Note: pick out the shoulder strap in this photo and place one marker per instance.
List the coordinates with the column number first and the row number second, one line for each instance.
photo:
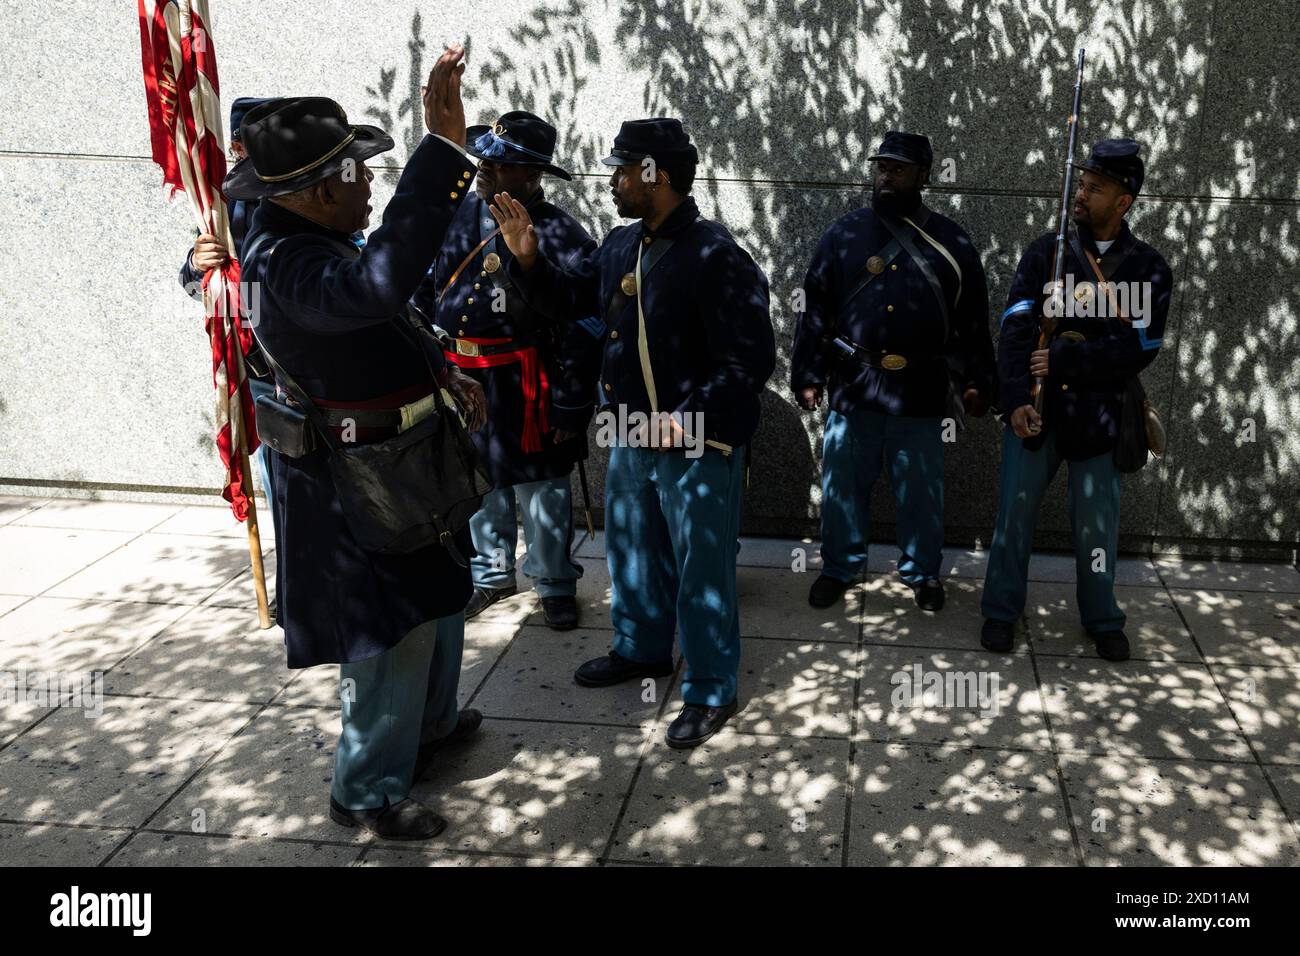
column 1113, row 260
column 473, row 253
column 901, row 234
column 865, row 275
column 646, row 261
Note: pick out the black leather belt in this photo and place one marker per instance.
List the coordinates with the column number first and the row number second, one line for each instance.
column 889, row 361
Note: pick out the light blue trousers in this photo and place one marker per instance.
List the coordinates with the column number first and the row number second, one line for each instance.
column 855, row 448
column 671, row 526
column 391, row 704
column 547, row 511
column 1094, row 491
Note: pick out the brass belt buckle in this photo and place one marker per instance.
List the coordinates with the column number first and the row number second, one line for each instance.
column 468, row 348
column 893, row 362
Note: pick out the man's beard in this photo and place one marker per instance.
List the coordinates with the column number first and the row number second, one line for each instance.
column 902, row 202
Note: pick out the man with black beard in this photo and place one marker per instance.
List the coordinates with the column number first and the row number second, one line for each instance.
column 895, row 326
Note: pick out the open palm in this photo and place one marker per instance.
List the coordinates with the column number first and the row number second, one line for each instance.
column 516, row 228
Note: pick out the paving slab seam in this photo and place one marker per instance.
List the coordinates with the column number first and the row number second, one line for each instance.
column 1263, row 769
column 194, row 775
column 646, row 744
column 851, row 770
column 434, row 852
column 1056, row 756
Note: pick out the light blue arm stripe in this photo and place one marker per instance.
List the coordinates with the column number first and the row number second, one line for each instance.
column 1148, row 344
column 1024, row 305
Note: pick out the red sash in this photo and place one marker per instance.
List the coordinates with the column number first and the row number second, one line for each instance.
column 536, row 387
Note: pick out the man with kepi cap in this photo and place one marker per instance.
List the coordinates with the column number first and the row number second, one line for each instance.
column 688, row 349
column 539, row 372
column 1105, row 337
column 896, row 327
column 333, row 321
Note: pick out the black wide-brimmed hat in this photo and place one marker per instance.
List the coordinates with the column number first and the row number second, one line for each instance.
column 295, row 141
column 905, row 148
column 660, row 137
column 518, row 137
column 1117, row 159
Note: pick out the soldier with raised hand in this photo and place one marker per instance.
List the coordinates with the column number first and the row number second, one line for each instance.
column 688, row 348
column 539, row 371
column 333, row 320
column 896, row 326
column 1101, row 343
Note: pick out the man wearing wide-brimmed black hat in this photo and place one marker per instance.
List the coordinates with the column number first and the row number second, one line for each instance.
column 895, row 331
column 1108, row 331
column 688, row 347
column 332, row 318
column 538, row 370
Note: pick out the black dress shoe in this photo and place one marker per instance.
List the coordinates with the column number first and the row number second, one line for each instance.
column 697, row 723
column 483, row 598
column 406, row 820
column 997, row 636
column 929, row 595
column 613, row 669
column 467, row 725
column 1112, row 645
column 826, row 591
column 561, row 612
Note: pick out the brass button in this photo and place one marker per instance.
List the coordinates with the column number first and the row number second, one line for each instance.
column 614, row 334
column 889, row 308
column 455, row 195
column 471, row 300
column 1065, row 388
column 467, row 174
column 893, row 267
column 483, row 273
column 607, row 388
column 461, row 183
column 476, row 286
column 464, row 318
column 461, row 332
column 647, row 240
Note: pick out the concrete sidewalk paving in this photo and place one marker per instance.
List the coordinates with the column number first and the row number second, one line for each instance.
column 205, row 749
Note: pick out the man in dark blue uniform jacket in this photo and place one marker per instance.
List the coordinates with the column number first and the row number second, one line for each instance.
column 896, row 323
column 333, row 318
column 1105, row 337
column 539, row 374
column 688, row 348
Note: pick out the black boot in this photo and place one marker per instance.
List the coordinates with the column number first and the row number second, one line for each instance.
column 697, row 723
column 1112, row 645
column 998, row 636
column 827, row 590
column 561, row 612
column 483, row 598
column 929, row 595
column 613, row 669
column 406, row 820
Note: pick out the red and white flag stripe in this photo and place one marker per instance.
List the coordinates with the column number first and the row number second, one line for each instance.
column 185, row 122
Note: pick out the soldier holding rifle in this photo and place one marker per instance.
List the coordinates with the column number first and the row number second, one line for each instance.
column 1105, row 304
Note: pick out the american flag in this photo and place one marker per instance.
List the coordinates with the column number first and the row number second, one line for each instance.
column 185, row 121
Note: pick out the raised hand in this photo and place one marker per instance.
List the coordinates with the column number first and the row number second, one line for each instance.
column 444, row 113
column 516, row 229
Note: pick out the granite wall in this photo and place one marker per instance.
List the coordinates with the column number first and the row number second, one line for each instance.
column 104, row 379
